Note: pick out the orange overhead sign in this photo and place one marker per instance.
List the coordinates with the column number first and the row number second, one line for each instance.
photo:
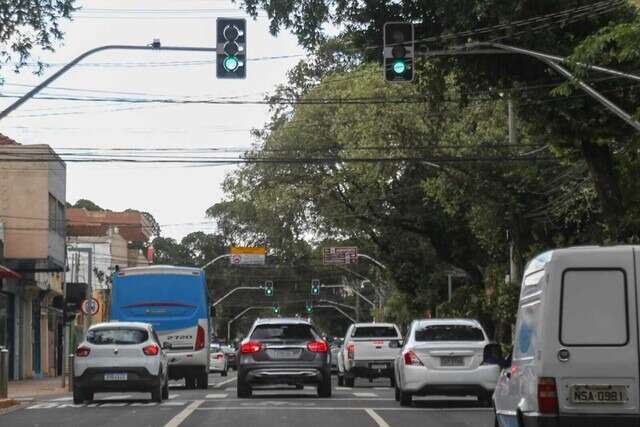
column 248, row 255
column 247, row 250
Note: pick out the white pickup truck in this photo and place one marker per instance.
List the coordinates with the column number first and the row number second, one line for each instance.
column 369, row 351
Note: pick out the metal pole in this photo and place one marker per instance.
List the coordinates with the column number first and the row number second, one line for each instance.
column 71, row 371
column 240, row 315
column 373, row 260
column 337, row 309
column 38, row 88
column 240, row 288
column 449, row 285
column 4, row 373
column 214, row 260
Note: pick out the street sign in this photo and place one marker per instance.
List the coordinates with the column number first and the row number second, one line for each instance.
column 248, row 255
column 340, row 255
column 90, row 306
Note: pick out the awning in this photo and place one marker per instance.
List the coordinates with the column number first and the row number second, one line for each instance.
column 6, row 273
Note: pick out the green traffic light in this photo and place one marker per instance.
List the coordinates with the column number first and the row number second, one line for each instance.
column 399, row 67
column 230, row 63
column 309, row 309
column 276, row 309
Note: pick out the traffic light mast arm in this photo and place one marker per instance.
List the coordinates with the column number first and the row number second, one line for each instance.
column 337, row 309
column 152, row 46
column 239, row 315
column 354, row 291
column 240, row 288
column 214, row 260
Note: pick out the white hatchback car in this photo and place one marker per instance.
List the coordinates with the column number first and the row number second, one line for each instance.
column 120, row 356
column 218, row 360
column 446, row 357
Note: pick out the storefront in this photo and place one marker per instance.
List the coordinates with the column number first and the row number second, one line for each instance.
column 8, row 317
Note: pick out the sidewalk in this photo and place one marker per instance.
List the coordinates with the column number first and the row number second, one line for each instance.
column 36, row 387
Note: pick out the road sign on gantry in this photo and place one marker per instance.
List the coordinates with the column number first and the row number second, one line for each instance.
column 248, row 255
column 340, row 255
column 231, row 48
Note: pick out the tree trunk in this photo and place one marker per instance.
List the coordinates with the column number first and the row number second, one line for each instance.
column 605, row 180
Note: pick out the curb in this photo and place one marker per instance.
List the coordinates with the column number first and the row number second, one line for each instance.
column 7, row 403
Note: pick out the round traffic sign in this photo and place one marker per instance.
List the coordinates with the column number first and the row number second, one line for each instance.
column 90, row 306
column 235, row 259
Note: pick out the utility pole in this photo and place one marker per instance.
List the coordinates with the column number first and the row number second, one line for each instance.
column 513, row 139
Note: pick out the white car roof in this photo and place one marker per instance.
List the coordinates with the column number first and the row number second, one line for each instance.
column 140, row 325
column 359, row 325
column 467, row 322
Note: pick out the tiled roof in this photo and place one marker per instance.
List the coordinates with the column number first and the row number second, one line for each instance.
column 132, row 225
column 5, row 140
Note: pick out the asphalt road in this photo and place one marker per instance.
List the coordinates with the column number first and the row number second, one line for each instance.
column 366, row 405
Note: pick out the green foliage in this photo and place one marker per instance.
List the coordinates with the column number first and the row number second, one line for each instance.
column 86, row 204
column 29, row 25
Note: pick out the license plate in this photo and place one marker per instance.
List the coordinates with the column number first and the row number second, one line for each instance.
column 116, row 377
column 379, row 366
column 452, row 361
column 283, row 354
column 599, row 394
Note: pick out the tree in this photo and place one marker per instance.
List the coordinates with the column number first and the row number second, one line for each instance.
column 28, row 25
column 86, row 204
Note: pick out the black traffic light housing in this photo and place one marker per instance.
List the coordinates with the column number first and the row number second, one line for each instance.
column 315, row 287
column 308, row 307
column 276, row 309
column 231, row 48
column 268, row 288
column 399, row 52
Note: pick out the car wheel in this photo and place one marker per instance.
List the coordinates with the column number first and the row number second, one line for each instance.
column 78, row 396
column 324, row 388
column 244, row 389
column 203, row 381
column 165, row 389
column 406, row 399
column 190, row 383
column 340, row 380
column 349, row 381
column 393, row 380
column 397, row 394
column 156, row 393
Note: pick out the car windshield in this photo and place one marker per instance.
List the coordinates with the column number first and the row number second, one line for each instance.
column 449, row 333
column 121, row 336
column 283, row 332
column 375, row 332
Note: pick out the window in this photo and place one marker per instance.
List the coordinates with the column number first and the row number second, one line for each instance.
column 52, row 213
column 449, row 333
column 526, row 339
column 121, row 336
column 56, row 216
column 283, row 332
column 594, row 308
column 375, row 332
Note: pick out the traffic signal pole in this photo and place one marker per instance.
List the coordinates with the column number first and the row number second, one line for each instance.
column 155, row 45
column 240, row 288
column 239, row 315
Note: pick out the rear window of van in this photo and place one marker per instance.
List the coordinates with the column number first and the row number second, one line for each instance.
column 449, row 333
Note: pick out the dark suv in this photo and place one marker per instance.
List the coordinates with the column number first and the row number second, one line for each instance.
column 284, row 351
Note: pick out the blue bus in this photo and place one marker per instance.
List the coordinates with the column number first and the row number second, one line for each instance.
column 174, row 301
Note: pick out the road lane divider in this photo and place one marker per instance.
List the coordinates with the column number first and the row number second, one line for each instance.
column 377, row 418
column 184, row 414
column 221, row 383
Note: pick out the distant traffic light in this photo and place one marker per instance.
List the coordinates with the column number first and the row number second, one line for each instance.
column 268, row 288
column 231, row 48
column 308, row 307
column 315, row 287
column 276, row 309
column 398, row 52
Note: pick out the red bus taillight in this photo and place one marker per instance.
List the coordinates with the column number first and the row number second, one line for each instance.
column 200, row 338
column 317, row 347
column 250, row 347
column 547, row 396
column 83, row 351
column 151, row 350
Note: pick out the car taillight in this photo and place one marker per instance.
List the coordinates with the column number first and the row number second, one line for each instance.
column 547, row 396
column 351, row 350
column 219, row 356
column 83, row 351
column 411, row 359
column 151, row 350
column 250, row 347
column 318, row 347
column 200, row 338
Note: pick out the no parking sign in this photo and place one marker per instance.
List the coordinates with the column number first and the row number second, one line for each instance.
column 90, row 306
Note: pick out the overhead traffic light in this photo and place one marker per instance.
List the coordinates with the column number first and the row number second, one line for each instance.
column 268, row 288
column 315, row 287
column 399, row 40
column 231, row 48
column 308, row 307
column 276, row 309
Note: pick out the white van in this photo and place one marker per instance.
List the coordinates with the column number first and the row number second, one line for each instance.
column 575, row 358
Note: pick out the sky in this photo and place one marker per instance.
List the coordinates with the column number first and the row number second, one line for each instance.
column 177, row 196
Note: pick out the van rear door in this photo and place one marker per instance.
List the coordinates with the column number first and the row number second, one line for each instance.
column 593, row 354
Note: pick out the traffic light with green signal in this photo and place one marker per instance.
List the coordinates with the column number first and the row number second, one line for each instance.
column 268, row 288
column 308, row 308
column 276, row 309
column 315, row 287
column 231, row 48
column 398, row 52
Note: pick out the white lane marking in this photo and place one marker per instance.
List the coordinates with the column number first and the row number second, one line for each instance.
column 69, row 405
column 377, row 418
column 340, row 408
column 220, row 384
column 113, row 405
column 120, row 397
column 62, row 399
column 216, row 396
column 141, row 404
column 231, row 389
column 342, row 388
column 365, row 394
column 182, row 415
column 173, row 396
column 382, row 388
column 43, row 406
column 174, row 403
column 24, row 399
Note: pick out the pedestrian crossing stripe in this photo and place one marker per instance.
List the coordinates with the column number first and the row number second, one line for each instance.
column 365, row 395
column 217, row 396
